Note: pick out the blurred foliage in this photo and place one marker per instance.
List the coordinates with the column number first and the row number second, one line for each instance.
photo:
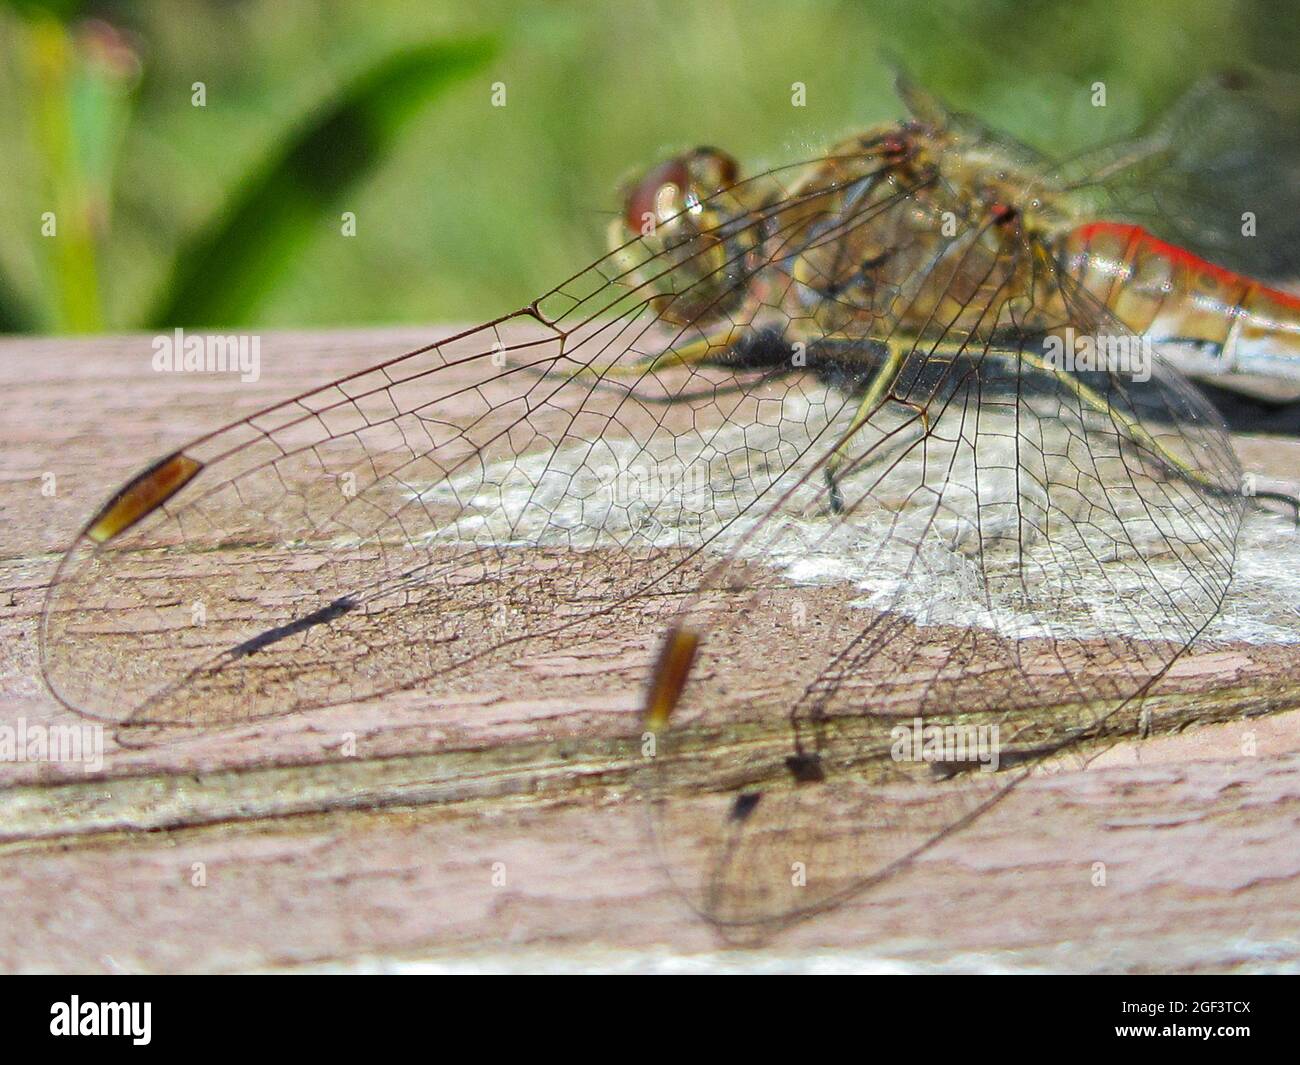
column 169, row 211
column 274, row 211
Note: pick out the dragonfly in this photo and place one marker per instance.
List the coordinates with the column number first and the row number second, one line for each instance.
column 893, row 453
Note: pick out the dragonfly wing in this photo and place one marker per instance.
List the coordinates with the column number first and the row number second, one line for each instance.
column 1217, row 174
column 1018, row 555
column 487, row 496
column 995, row 537
column 392, row 527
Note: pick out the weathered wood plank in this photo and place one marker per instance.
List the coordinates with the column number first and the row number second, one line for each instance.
column 311, row 853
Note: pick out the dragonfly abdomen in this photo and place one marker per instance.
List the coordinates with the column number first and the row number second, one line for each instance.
column 1212, row 323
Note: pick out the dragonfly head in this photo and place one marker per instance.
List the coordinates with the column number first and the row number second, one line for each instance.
column 681, row 186
column 683, row 234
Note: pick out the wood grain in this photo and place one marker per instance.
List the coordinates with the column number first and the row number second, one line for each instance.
column 370, row 835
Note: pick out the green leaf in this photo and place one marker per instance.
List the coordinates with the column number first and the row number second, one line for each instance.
column 64, row 10
column 222, row 275
column 16, row 315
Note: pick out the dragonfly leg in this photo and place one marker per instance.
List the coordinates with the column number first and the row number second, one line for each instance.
column 708, row 348
column 876, row 394
column 1286, row 498
column 701, row 394
column 1132, row 426
column 884, row 379
column 696, row 353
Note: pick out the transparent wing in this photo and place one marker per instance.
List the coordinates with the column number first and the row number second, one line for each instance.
column 1017, row 553
column 1217, row 174
column 812, row 430
column 473, row 500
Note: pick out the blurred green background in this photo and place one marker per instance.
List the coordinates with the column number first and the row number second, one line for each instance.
column 229, row 214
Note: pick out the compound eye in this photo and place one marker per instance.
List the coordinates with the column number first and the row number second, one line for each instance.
column 658, row 196
column 678, row 216
column 713, row 169
column 683, row 183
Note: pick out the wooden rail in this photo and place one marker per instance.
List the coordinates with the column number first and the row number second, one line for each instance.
column 498, row 826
